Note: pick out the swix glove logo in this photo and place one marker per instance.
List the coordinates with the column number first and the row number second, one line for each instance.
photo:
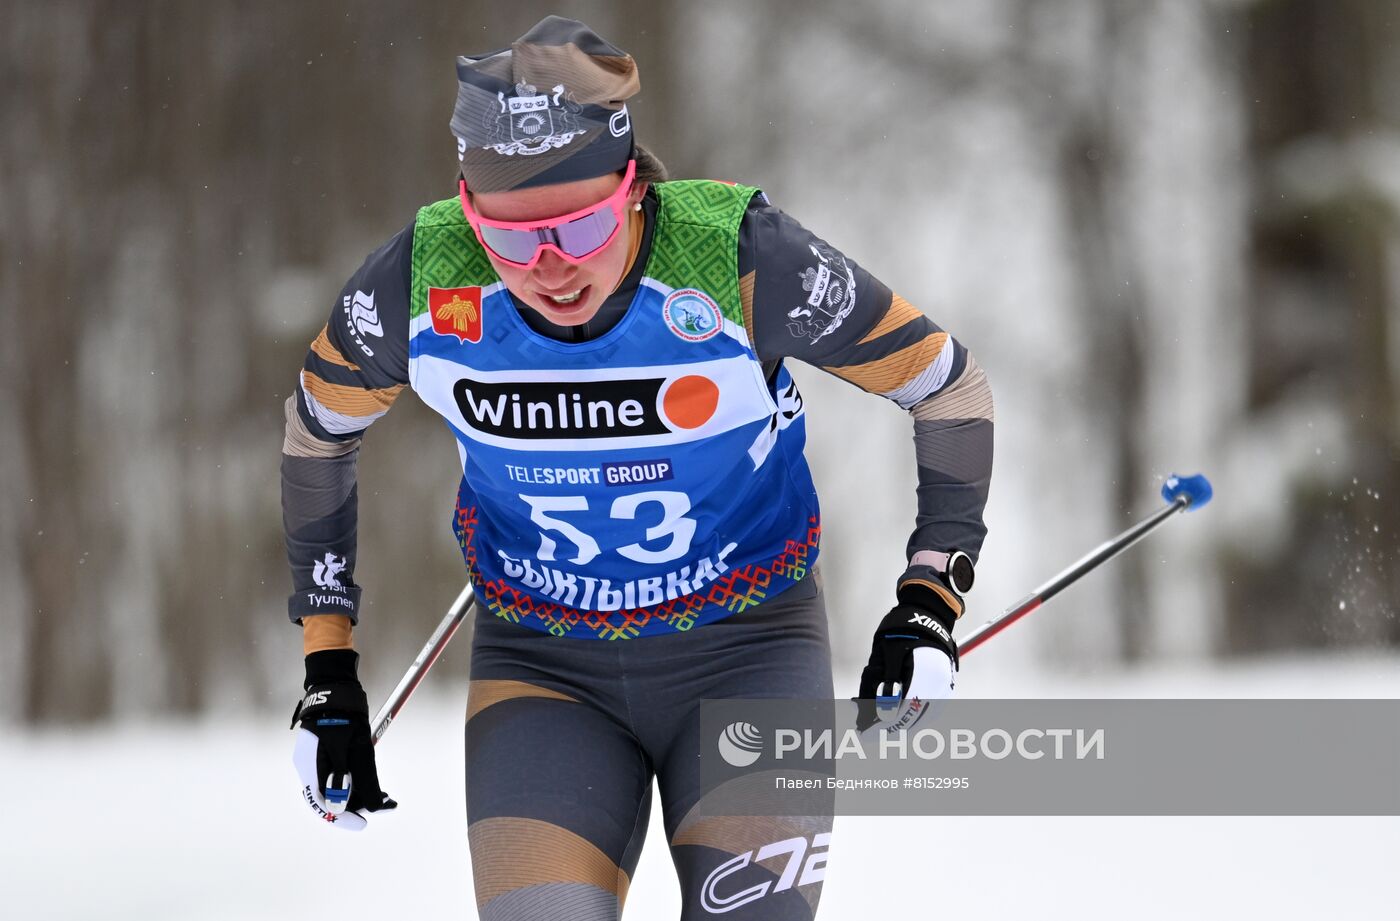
column 327, row 571
column 719, row 895
column 362, row 319
column 315, row 698
column 586, row 409
column 928, row 623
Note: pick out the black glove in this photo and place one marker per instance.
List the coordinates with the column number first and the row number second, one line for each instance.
column 334, row 754
column 923, row 620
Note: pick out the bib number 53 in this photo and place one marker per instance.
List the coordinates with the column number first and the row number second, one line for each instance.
column 674, row 526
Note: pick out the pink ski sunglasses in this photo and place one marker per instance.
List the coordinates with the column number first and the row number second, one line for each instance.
column 576, row 237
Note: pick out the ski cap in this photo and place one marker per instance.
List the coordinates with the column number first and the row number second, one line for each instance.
column 550, row 108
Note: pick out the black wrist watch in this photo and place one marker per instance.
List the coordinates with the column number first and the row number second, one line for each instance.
column 954, row 566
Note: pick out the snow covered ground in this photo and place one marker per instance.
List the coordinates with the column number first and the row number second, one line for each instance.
column 203, row 821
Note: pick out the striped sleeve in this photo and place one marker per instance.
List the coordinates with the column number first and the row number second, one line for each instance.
column 907, row 359
column 358, row 363
column 354, row 370
column 903, row 358
column 804, row 299
column 336, row 397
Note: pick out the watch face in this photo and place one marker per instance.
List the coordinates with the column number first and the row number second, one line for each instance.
column 960, row 573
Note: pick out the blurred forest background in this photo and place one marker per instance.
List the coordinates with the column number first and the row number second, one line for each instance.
column 1167, row 228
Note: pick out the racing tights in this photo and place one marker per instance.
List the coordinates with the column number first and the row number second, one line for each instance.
column 565, row 736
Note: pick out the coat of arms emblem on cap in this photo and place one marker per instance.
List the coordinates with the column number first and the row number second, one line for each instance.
column 531, row 122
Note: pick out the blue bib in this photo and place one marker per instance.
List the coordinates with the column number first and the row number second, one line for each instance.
column 647, row 481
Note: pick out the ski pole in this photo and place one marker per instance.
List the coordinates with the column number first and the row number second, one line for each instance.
column 416, row 672
column 1182, row 493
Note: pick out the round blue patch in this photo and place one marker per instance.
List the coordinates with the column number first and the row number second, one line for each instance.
column 692, row 315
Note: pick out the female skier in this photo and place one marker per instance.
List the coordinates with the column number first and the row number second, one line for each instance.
column 635, row 511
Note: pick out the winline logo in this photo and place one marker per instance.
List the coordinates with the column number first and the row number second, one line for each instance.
column 586, row 409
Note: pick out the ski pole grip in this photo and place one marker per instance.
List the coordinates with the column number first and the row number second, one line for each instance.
column 1195, row 489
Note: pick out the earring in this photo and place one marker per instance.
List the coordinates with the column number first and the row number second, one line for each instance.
column 637, row 206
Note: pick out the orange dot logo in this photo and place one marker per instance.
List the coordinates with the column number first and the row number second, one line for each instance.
column 690, row 401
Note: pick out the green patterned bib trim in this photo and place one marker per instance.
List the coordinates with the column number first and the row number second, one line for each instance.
column 695, row 245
